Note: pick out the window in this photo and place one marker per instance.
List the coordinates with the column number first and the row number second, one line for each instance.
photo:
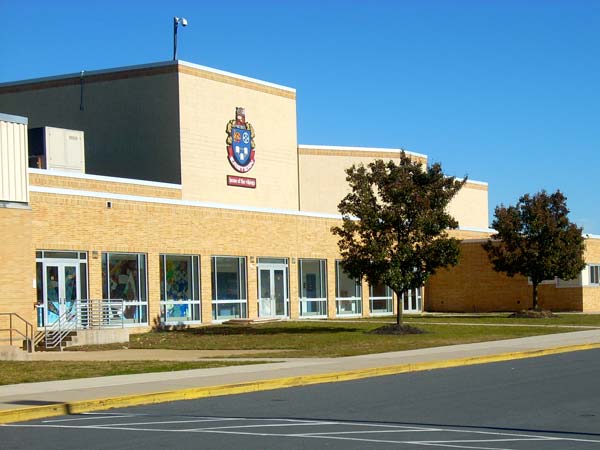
column 380, row 300
column 228, row 287
column 179, row 289
column 347, row 293
column 594, row 274
column 124, row 280
column 313, row 287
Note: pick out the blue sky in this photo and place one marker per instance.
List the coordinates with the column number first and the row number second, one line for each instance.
column 506, row 92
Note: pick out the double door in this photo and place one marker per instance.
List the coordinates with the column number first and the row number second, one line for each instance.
column 272, row 290
column 61, row 289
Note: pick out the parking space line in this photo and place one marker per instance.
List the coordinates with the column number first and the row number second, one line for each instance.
column 261, row 425
column 479, row 439
column 416, row 430
column 198, row 420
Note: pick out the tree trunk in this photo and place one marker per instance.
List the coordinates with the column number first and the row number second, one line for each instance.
column 398, row 308
column 536, row 306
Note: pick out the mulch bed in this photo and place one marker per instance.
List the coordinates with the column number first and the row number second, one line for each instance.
column 397, row 329
column 532, row 314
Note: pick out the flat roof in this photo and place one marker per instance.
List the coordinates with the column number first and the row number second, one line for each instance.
column 13, row 119
column 361, row 149
column 145, row 66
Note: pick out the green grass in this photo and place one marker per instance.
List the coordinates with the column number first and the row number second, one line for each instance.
column 588, row 320
column 13, row 372
column 561, row 319
column 322, row 339
column 297, row 339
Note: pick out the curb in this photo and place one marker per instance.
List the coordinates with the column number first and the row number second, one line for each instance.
column 81, row 406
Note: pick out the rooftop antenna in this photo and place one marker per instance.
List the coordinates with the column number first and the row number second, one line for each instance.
column 176, row 22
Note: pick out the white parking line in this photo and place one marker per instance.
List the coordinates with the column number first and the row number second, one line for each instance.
column 159, row 422
column 480, row 439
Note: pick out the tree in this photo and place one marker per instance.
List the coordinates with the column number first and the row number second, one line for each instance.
column 536, row 239
column 394, row 224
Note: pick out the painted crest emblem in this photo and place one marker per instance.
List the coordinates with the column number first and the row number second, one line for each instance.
column 240, row 142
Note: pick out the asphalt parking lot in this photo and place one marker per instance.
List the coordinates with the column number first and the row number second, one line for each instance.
column 546, row 403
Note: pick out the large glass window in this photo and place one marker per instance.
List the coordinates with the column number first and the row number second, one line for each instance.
column 229, row 298
column 348, row 293
column 380, row 300
column 180, row 289
column 594, row 273
column 124, row 279
column 313, row 287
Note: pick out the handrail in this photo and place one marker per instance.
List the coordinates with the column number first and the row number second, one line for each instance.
column 83, row 314
column 67, row 322
column 100, row 313
column 28, row 336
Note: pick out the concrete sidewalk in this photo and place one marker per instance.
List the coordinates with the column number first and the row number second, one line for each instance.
column 142, row 388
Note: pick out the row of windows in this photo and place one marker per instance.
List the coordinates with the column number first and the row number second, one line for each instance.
column 62, row 279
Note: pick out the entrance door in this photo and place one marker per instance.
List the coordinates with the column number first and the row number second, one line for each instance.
column 61, row 289
column 272, row 290
column 412, row 303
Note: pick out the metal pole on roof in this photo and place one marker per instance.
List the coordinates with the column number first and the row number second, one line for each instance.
column 176, row 21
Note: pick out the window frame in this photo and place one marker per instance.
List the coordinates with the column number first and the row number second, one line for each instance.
column 320, row 302
column 194, row 303
column 217, row 303
column 341, row 303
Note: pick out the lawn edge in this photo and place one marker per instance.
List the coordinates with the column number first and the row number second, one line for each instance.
column 81, row 406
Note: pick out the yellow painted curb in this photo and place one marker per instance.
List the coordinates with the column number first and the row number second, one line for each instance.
column 77, row 407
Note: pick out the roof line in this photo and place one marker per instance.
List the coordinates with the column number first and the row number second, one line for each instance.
column 14, row 119
column 360, row 149
column 87, row 176
column 88, row 73
column 235, row 75
column 144, row 66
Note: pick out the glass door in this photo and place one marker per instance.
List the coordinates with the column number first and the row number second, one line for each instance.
column 61, row 289
column 412, row 302
column 272, row 290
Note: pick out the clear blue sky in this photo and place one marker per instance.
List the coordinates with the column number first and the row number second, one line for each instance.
column 506, row 92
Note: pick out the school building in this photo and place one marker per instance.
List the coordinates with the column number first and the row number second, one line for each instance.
column 180, row 194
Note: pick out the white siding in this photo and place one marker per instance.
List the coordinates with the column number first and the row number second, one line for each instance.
column 13, row 159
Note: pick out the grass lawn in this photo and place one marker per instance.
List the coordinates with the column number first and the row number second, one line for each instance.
column 322, row 339
column 592, row 320
column 13, row 372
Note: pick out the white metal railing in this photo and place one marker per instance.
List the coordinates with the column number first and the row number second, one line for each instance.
column 84, row 315
column 100, row 313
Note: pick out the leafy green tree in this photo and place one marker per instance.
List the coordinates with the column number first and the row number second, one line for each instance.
column 536, row 239
column 395, row 224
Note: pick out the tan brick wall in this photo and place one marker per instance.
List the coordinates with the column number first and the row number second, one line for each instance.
column 206, row 106
column 323, row 183
column 159, row 228
column 591, row 299
column 49, row 180
column 467, row 234
column 323, row 179
column 591, row 294
column 17, row 257
column 592, row 250
column 470, row 206
column 473, row 286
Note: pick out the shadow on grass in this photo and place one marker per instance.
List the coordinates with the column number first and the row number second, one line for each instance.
column 266, row 330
